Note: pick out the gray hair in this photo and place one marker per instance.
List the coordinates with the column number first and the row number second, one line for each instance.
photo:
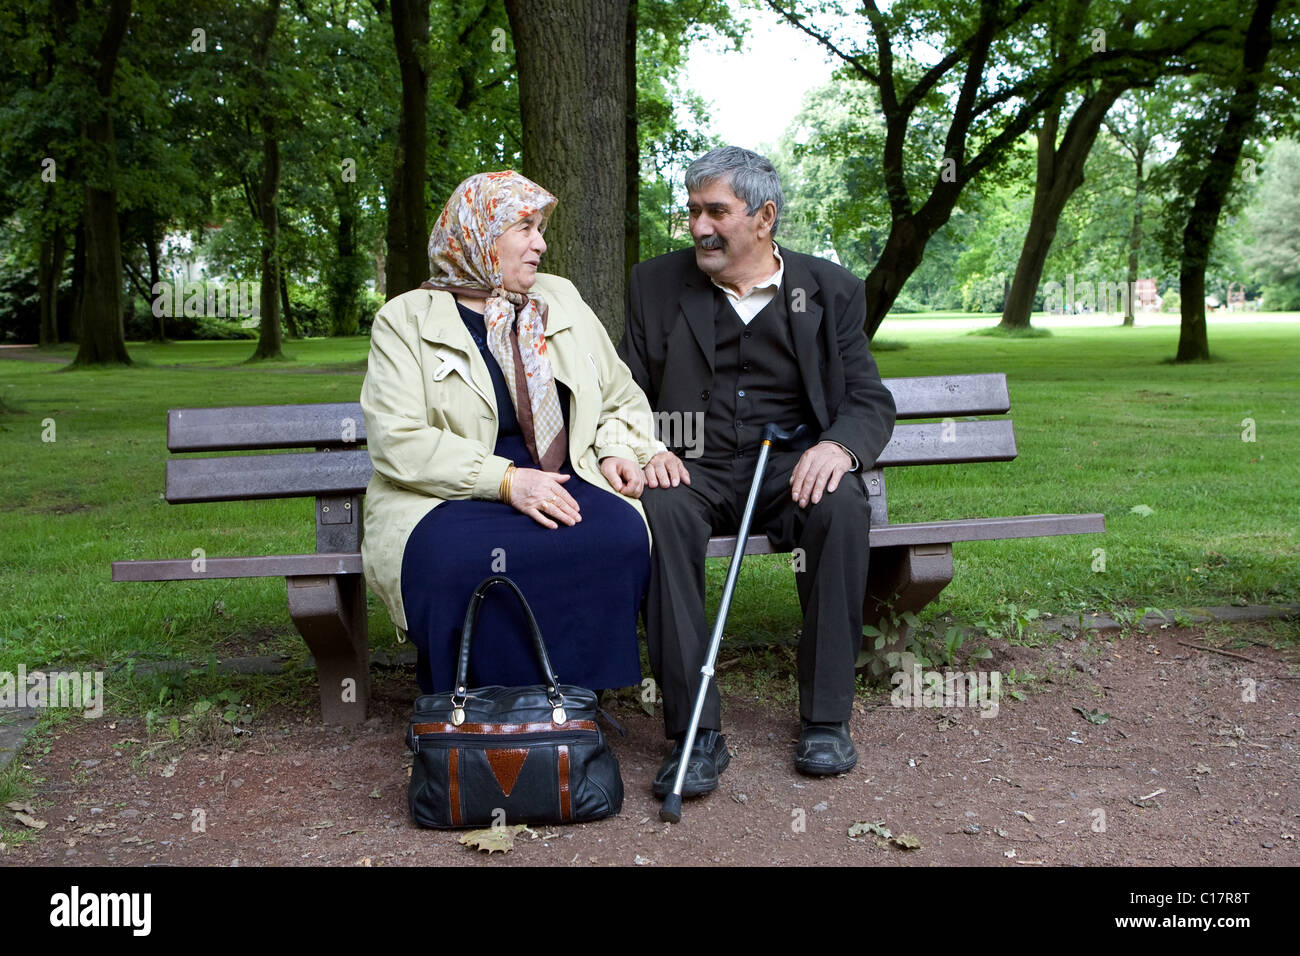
column 752, row 178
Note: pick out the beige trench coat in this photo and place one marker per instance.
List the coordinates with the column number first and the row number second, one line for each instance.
column 431, row 416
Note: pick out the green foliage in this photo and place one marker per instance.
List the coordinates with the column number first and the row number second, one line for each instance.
column 983, row 293
column 1008, row 622
column 1272, row 249
column 669, row 117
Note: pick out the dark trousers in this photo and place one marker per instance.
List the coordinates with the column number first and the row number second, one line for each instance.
column 833, row 537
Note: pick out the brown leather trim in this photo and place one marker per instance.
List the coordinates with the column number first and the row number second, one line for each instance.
column 535, row 728
column 565, row 810
column 453, row 785
column 506, row 765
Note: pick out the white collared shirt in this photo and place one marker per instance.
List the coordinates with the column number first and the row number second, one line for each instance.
column 756, row 299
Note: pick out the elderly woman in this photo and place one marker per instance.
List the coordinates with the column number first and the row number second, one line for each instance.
column 507, row 437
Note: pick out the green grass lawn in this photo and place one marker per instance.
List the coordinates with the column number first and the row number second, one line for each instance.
column 1103, row 424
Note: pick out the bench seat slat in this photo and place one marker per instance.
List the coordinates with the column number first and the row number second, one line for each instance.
column 262, row 566
column 945, row 532
column 881, row 536
column 298, row 475
column 941, row 396
column 251, row 427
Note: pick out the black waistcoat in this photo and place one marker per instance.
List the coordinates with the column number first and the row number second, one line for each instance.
column 755, row 380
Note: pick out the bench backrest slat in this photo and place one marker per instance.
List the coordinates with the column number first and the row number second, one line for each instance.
column 268, row 476
column 252, row 427
column 950, row 443
column 942, row 396
column 305, row 474
column 341, row 424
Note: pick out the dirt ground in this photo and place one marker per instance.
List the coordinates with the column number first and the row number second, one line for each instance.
column 1188, row 771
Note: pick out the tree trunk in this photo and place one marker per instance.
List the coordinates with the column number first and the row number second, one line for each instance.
column 408, row 236
column 900, row 257
column 573, row 104
column 155, row 274
column 631, row 150
column 269, row 335
column 345, row 279
column 1203, row 221
column 1135, row 240
column 78, row 280
column 290, row 323
column 103, row 341
column 1060, row 173
column 53, row 251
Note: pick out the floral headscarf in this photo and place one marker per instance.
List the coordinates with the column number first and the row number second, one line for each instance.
column 463, row 259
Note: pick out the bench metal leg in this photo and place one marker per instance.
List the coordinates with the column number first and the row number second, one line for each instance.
column 330, row 614
column 903, row 579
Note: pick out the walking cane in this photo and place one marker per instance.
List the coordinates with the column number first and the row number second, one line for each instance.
column 671, row 811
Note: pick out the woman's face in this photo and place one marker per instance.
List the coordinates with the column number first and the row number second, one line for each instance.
column 519, row 250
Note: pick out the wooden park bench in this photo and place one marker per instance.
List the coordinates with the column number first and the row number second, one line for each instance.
column 910, row 563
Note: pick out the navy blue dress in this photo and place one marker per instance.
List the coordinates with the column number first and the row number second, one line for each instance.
column 585, row 584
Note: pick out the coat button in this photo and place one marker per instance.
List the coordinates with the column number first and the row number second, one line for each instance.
column 704, row 395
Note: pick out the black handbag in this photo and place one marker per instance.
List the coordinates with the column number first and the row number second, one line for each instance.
column 496, row 755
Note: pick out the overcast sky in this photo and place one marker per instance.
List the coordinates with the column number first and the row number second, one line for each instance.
column 754, row 94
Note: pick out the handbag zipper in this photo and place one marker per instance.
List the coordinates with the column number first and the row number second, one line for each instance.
column 505, row 741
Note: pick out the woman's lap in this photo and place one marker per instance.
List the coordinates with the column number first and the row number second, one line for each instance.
column 584, row 584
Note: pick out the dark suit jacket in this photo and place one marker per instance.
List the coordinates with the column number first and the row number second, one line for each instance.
column 668, row 343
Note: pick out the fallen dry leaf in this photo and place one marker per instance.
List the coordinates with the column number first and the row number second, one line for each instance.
column 30, row 821
column 493, row 839
column 907, row 842
column 862, row 828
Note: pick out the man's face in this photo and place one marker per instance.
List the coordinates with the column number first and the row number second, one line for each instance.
column 728, row 243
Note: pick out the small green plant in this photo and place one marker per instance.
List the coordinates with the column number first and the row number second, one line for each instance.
column 1130, row 620
column 891, row 631
column 1009, row 622
column 1012, row 678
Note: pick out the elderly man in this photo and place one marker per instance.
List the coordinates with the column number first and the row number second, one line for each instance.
column 743, row 332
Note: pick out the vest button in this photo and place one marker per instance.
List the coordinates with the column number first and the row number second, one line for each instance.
column 741, row 393
column 705, row 395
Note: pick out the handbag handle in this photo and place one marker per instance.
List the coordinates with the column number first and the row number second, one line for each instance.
column 471, row 619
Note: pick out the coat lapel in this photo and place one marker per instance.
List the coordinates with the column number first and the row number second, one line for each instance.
column 697, row 307
column 803, row 302
column 441, row 326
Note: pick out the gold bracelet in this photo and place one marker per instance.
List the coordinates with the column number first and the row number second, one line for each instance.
column 504, row 491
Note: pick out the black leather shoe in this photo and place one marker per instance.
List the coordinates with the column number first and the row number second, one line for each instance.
column 824, row 749
column 709, row 757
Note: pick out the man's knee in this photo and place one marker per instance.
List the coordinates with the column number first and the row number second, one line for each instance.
column 671, row 507
column 846, row 507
